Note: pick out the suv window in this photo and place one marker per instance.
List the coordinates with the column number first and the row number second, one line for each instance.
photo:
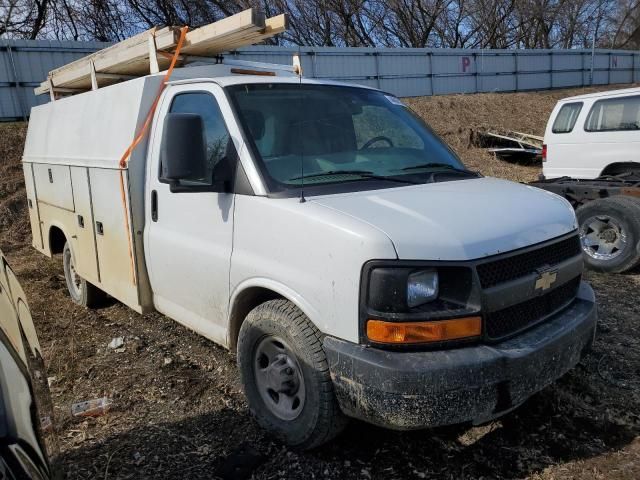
column 614, row 114
column 216, row 133
column 567, row 116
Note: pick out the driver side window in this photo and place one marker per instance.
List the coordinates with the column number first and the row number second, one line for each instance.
column 217, row 141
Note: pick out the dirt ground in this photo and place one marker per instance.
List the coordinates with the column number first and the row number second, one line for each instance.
column 179, row 412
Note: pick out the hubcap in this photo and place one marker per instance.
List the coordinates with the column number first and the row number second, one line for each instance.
column 75, row 281
column 603, row 238
column 279, row 378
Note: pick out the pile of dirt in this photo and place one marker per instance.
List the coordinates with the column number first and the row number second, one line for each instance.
column 178, row 411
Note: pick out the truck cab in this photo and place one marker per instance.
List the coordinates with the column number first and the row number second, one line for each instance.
column 325, row 234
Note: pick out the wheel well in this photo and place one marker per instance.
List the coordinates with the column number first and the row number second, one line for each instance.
column 57, row 240
column 246, row 301
column 621, row 167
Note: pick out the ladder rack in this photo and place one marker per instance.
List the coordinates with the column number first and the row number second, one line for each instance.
column 150, row 52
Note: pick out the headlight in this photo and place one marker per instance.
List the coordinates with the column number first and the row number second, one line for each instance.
column 411, row 302
column 418, row 289
column 422, row 287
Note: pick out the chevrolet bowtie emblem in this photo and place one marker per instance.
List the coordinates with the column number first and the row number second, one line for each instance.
column 546, row 279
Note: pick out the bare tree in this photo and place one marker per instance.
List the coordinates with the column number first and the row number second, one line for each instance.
column 23, row 18
column 353, row 23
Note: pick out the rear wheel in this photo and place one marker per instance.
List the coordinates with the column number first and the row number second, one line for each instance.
column 285, row 375
column 610, row 233
column 81, row 292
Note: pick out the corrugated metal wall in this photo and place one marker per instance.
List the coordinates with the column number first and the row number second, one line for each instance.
column 404, row 72
column 25, row 63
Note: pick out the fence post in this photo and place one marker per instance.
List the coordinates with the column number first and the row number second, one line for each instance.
column 475, row 70
column 312, row 53
column 551, row 69
column 16, row 79
column 609, row 71
column 431, row 77
column 516, row 67
column 376, row 55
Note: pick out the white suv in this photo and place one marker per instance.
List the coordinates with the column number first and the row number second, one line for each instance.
column 593, row 135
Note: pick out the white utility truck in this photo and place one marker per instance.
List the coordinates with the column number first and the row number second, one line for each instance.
column 591, row 156
column 324, row 233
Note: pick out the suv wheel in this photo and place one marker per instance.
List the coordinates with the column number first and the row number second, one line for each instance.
column 285, row 375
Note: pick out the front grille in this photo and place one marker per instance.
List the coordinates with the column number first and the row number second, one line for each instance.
column 513, row 319
column 519, row 265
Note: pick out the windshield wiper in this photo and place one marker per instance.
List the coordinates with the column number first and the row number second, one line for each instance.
column 362, row 173
column 437, row 165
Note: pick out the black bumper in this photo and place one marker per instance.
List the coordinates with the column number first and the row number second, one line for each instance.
column 410, row 390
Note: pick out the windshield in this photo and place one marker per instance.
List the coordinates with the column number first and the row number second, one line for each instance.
column 322, row 134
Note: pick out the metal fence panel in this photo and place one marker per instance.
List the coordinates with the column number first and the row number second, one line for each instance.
column 404, row 72
column 497, row 83
column 539, row 62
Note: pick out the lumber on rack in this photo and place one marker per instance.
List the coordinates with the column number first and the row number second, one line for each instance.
column 137, row 56
column 129, row 57
column 203, row 43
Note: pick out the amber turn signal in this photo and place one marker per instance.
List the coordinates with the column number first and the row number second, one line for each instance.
column 423, row 332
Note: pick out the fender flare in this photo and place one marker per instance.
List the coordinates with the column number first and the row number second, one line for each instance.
column 59, row 226
column 278, row 288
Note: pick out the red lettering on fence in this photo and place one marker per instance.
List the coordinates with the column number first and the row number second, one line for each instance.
column 466, row 63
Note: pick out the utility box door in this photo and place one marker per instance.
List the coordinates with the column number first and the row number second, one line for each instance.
column 83, row 243
column 32, row 204
column 112, row 239
column 53, row 184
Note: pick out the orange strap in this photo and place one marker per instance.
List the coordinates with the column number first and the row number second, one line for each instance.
column 145, row 127
column 125, row 157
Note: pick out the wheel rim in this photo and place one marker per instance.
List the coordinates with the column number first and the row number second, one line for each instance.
column 603, row 238
column 74, row 280
column 279, row 378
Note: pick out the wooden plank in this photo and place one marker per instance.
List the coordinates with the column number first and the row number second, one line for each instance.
column 273, row 26
column 136, row 56
column 140, row 37
column 227, row 26
column 94, row 79
column 154, row 67
column 114, row 59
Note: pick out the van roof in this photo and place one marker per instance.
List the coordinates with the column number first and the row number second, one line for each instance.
column 608, row 93
column 224, row 76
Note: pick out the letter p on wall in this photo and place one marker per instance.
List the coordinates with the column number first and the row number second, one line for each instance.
column 466, row 63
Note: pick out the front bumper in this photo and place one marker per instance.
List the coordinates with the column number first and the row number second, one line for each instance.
column 411, row 390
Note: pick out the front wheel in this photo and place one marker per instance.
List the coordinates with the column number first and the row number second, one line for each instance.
column 285, row 375
column 610, row 233
column 81, row 292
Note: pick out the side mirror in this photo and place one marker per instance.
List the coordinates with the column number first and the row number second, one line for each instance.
column 183, row 153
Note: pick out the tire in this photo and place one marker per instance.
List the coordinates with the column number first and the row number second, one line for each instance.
column 43, row 403
column 81, row 292
column 611, row 223
column 316, row 418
